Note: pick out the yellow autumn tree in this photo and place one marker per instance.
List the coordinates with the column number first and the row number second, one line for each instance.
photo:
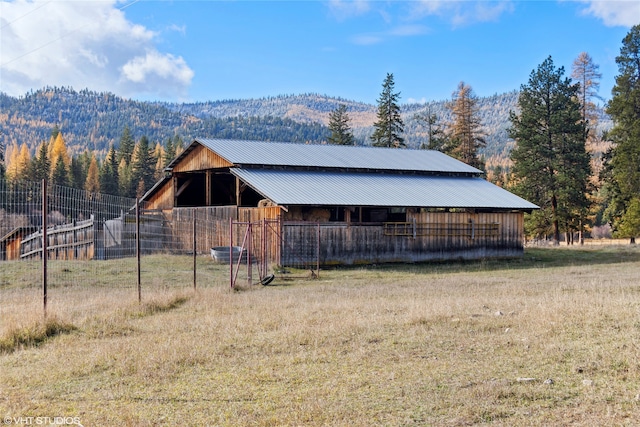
column 19, row 161
column 92, row 183
column 13, row 152
column 58, row 148
column 159, row 154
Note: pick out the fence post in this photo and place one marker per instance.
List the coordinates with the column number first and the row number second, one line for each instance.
column 138, row 248
column 194, row 248
column 231, row 252
column 318, row 254
column 45, row 255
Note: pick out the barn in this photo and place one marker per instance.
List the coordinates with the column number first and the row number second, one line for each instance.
column 370, row 205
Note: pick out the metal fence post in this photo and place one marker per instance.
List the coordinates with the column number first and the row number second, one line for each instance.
column 138, row 248
column 45, row 255
column 194, row 248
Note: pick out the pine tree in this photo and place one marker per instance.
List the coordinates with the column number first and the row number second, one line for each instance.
column 169, row 152
column 60, row 174
column 389, row 126
column 109, row 173
column 142, row 165
column 77, row 174
column 341, row 133
column 41, row 164
column 465, row 132
column 625, row 111
column 127, row 145
column 124, row 180
column 435, row 135
column 178, row 145
column 550, row 162
column 585, row 71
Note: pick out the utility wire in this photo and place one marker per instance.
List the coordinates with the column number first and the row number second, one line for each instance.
column 55, row 40
column 28, row 13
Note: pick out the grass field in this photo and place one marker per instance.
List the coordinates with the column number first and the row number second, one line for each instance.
column 551, row 339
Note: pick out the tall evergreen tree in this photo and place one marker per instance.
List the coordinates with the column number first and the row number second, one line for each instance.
column 169, row 151
column 389, row 126
column 465, row 132
column 624, row 109
column 178, row 144
column 41, row 164
column 125, row 186
column 127, row 145
column 77, row 175
column 585, row 72
column 60, row 174
column 109, row 173
column 435, row 135
column 550, row 162
column 341, row 133
column 142, row 166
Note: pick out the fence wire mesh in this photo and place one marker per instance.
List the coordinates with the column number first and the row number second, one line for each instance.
column 91, row 250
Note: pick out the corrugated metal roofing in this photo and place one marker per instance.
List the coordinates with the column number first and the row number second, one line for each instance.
column 245, row 153
column 370, row 189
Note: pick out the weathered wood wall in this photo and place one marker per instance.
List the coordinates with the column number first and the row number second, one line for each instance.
column 64, row 242
column 200, row 159
column 163, row 198
column 213, row 224
column 426, row 236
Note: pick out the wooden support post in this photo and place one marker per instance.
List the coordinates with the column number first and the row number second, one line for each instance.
column 238, row 193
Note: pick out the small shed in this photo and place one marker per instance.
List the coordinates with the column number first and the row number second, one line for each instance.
column 373, row 204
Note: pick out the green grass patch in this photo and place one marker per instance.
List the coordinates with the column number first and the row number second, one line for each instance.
column 33, row 335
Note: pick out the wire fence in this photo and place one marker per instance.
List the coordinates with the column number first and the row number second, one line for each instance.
column 99, row 248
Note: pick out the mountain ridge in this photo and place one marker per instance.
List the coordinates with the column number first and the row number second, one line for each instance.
column 94, row 120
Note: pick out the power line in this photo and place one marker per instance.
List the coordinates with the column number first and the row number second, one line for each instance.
column 22, row 16
column 55, row 40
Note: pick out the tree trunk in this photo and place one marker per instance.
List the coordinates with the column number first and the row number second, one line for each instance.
column 556, row 225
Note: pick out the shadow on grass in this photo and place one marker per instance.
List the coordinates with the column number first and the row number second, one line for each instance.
column 533, row 258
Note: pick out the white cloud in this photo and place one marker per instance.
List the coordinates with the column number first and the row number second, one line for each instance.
column 153, row 65
column 367, row 39
column 84, row 44
column 401, row 31
column 625, row 13
column 343, row 9
column 461, row 13
column 409, row 30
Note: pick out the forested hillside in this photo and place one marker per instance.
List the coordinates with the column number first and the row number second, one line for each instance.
column 92, row 120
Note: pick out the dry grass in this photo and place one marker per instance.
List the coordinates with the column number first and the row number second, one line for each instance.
column 435, row 344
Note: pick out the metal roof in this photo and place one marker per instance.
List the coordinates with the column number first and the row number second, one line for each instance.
column 369, row 189
column 282, row 154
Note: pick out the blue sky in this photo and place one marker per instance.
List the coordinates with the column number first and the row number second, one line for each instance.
column 213, row 50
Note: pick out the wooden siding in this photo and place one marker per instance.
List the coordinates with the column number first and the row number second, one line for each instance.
column 162, row 198
column 216, row 221
column 258, row 214
column 450, row 236
column 13, row 249
column 214, row 233
column 64, row 242
column 200, row 159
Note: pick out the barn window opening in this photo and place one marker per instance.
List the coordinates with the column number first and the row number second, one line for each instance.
column 190, row 190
